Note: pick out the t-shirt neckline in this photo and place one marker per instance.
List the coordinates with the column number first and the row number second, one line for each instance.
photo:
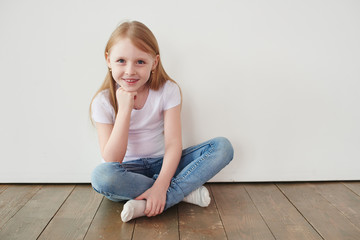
column 146, row 102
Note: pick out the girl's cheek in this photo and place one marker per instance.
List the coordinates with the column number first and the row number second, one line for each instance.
column 114, row 73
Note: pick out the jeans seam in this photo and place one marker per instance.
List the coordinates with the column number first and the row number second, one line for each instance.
column 200, row 146
column 196, row 164
column 112, row 195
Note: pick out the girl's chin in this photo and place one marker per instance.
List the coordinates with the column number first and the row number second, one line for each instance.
column 129, row 88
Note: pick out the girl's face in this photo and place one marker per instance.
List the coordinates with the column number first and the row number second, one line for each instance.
column 130, row 67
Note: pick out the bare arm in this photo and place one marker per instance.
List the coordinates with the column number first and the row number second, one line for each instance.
column 173, row 146
column 113, row 139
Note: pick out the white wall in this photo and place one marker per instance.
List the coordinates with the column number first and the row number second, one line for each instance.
column 280, row 79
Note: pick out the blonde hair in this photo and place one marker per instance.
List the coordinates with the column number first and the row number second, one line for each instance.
column 141, row 36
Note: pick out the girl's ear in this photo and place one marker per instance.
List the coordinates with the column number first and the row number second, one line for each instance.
column 108, row 59
column 156, row 62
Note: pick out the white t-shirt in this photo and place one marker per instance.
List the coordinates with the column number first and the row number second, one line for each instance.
column 146, row 132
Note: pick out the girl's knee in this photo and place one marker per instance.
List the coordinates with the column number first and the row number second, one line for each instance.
column 103, row 176
column 225, row 148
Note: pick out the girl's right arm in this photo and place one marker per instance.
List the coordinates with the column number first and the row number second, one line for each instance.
column 113, row 139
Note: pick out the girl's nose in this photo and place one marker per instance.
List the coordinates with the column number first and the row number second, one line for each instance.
column 130, row 70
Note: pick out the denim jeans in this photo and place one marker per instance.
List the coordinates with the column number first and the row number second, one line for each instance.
column 198, row 164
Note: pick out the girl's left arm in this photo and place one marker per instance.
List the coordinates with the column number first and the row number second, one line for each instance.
column 156, row 195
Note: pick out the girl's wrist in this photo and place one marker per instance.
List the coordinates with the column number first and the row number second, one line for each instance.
column 162, row 183
column 124, row 111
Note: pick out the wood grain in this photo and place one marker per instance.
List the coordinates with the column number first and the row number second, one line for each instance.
column 3, row 187
column 160, row 227
column 280, row 215
column 13, row 199
column 354, row 186
column 345, row 200
column 30, row 220
column 200, row 223
column 238, row 213
column 293, row 211
column 107, row 223
column 323, row 216
column 75, row 215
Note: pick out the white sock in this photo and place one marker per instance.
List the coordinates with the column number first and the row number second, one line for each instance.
column 199, row 197
column 133, row 209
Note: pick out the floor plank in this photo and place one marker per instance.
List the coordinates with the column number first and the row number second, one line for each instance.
column 30, row 220
column 74, row 217
column 284, row 221
column 238, row 213
column 160, row 227
column 107, row 223
column 322, row 215
column 3, row 187
column 13, row 199
column 345, row 200
column 200, row 223
column 354, row 186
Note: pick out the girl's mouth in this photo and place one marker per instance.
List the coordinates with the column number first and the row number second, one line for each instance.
column 130, row 80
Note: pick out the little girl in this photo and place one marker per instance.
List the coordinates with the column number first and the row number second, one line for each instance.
column 137, row 117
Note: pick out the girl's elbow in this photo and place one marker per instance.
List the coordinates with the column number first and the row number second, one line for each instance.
column 113, row 158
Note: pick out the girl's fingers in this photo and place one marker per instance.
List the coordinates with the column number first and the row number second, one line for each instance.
column 159, row 208
column 154, row 210
column 162, row 209
column 154, row 206
column 158, row 211
column 148, row 207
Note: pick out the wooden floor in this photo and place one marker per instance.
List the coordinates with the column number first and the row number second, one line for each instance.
column 238, row 211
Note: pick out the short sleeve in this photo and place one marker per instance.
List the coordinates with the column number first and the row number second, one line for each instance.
column 102, row 111
column 171, row 95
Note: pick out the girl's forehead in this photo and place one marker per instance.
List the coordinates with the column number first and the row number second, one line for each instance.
column 124, row 46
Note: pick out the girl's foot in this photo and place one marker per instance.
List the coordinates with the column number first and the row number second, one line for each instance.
column 200, row 197
column 133, row 209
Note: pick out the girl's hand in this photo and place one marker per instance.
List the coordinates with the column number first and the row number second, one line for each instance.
column 155, row 200
column 125, row 99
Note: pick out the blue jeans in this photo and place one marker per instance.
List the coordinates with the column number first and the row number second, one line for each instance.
column 198, row 164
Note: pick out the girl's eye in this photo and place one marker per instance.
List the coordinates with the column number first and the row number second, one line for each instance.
column 121, row 60
column 140, row 62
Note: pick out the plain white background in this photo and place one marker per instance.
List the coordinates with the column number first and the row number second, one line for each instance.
column 279, row 78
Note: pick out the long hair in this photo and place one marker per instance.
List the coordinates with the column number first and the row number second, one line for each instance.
column 144, row 39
